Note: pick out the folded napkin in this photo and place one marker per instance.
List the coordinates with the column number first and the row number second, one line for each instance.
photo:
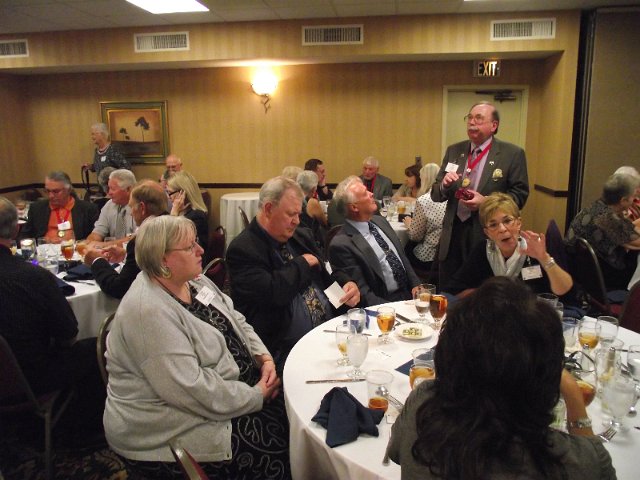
column 405, row 367
column 345, row 418
column 79, row 272
column 67, row 289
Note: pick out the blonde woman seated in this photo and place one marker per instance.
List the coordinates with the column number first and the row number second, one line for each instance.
column 425, row 227
column 185, row 366
column 509, row 251
column 408, row 192
column 186, row 198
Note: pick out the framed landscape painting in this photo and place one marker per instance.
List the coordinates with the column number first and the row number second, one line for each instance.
column 139, row 128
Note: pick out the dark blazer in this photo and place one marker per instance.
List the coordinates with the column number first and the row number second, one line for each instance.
column 111, row 282
column 83, row 215
column 512, row 179
column 382, row 187
column 262, row 287
column 350, row 252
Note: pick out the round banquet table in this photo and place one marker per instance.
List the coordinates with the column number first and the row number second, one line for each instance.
column 314, row 357
column 230, row 215
column 90, row 306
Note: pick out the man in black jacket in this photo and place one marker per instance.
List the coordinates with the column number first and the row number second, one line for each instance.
column 277, row 277
column 147, row 200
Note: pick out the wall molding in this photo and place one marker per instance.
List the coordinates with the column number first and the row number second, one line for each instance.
column 550, row 191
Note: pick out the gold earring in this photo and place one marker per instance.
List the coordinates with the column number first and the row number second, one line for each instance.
column 166, row 271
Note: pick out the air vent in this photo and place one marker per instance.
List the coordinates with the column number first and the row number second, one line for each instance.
column 524, row 29
column 161, row 42
column 332, row 35
column 14, row 48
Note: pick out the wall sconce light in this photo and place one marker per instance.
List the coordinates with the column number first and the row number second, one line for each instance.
column 264, row 84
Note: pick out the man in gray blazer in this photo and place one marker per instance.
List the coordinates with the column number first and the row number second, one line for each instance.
column 377, row 184
column 470, row 171
column 367, row 249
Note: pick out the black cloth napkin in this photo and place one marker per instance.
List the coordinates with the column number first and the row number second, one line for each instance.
column 79, row 272
column 345, row 418
column 67, row 289
column 405, row 367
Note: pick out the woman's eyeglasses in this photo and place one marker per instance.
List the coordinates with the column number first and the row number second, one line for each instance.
column 506, row 221
column 191, row 247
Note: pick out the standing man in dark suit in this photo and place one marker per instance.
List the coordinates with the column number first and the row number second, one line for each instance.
column 368, row 250
column 377, row 184
column 470, row 171
column 62, row 214
column 277, row 275
column 147, row 200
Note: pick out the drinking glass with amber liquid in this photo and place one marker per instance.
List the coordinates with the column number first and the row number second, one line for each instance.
column 342, row 332
column 81, row 247
column 386, row 320
column 67, row 247
column 589, row 334
column 421, row 298
column 438, row 309
column 378, row 383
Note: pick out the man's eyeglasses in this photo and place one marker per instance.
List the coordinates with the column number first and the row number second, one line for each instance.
column 506, row 221
column 53, row 191
column 191, row 247
column 477, row 118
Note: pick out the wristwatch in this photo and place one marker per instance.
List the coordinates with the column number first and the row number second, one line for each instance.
column 584, row 422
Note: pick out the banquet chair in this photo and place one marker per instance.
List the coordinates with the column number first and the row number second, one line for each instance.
column 216, row 271
column 17, row 396
column 555, row 245
column 330, row 234
column 101, row 346
column 216, row 244
column 190, row 468
column 630, row 315
column 585, row 270
column 243, row 216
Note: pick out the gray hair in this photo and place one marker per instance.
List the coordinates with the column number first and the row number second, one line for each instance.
column 8, row 219
column 101, row 128
column 103, row 177
column 371, row 161
column 343, row 194
column 156, row 237
column 428, row 175
column 60, row 176
column 617, row 187
column 308, row 180
column 291, row 172
column 628, row 171
column 274, row 188
column 125, row 178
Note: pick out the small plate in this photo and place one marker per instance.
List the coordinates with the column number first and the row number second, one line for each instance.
column 403, row 331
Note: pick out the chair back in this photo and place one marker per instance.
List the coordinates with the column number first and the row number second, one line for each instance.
column 13, row 384
column 243, row 216
column 330, row 234
column 216, row 271
column 586, row 271
column 555, row 245
column 101, row 346
column 217, row 244
column 630, row 316
column 191, row 470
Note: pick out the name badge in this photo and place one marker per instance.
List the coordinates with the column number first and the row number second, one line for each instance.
column 103, row 158
column 532, row 272
column 64, row 225
column 205, row 296
column 451, row 167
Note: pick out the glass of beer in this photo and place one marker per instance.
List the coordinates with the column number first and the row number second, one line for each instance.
column 386, row 320
column 378, row 383
column 438, row 309
column 81, row 247
column 589, row 334
column 67, row 247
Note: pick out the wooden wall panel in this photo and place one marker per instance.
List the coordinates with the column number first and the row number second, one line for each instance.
column 15, row 136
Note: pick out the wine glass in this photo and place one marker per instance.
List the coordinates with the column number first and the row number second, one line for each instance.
column 342, row 333
column 421, row 298
column 438, row 308
column 67, row 248
column 386, row 319
column 588, row 334
column 357, row 349
column 620, row 395
column 608, row 330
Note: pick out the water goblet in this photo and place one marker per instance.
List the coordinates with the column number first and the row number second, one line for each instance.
column 357, row 317
column 391, row 211
column 438, row 309
column 386, row 201
column 620, row 395
column 28, row 248
column 357, row 349
column 608, row 365
column 588, row 333
column 386, row 318
column 608, row 330
column 342, row 333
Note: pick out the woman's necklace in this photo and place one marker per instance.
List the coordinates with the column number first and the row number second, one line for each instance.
column 104, row 149
column 184, row 285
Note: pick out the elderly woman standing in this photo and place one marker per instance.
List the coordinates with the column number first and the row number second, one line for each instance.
column 185, row 366
column 106, row 154
column 186, row 200
column 509, row 251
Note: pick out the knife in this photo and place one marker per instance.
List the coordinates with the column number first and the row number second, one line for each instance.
column 398, row 316
column 337, row 380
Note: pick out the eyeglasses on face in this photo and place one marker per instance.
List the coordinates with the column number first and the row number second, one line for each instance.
column 53, row 191
column 477, row 118
column 192, row 248
column 506, row 221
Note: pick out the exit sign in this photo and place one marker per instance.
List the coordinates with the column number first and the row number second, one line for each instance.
column 486, row 68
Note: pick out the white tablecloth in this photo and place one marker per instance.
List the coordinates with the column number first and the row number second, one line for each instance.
column 230, row 215
column 90, row 305
column 314, row 357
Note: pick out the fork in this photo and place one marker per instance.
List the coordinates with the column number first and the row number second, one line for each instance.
column 608, row 434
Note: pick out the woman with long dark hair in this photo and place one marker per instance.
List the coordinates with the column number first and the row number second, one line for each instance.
column 488, row 412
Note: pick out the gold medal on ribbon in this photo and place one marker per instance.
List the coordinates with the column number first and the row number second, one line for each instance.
column 466, row 182
column 61, row 233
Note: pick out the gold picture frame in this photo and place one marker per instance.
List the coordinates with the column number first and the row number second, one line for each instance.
column 140, row 129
